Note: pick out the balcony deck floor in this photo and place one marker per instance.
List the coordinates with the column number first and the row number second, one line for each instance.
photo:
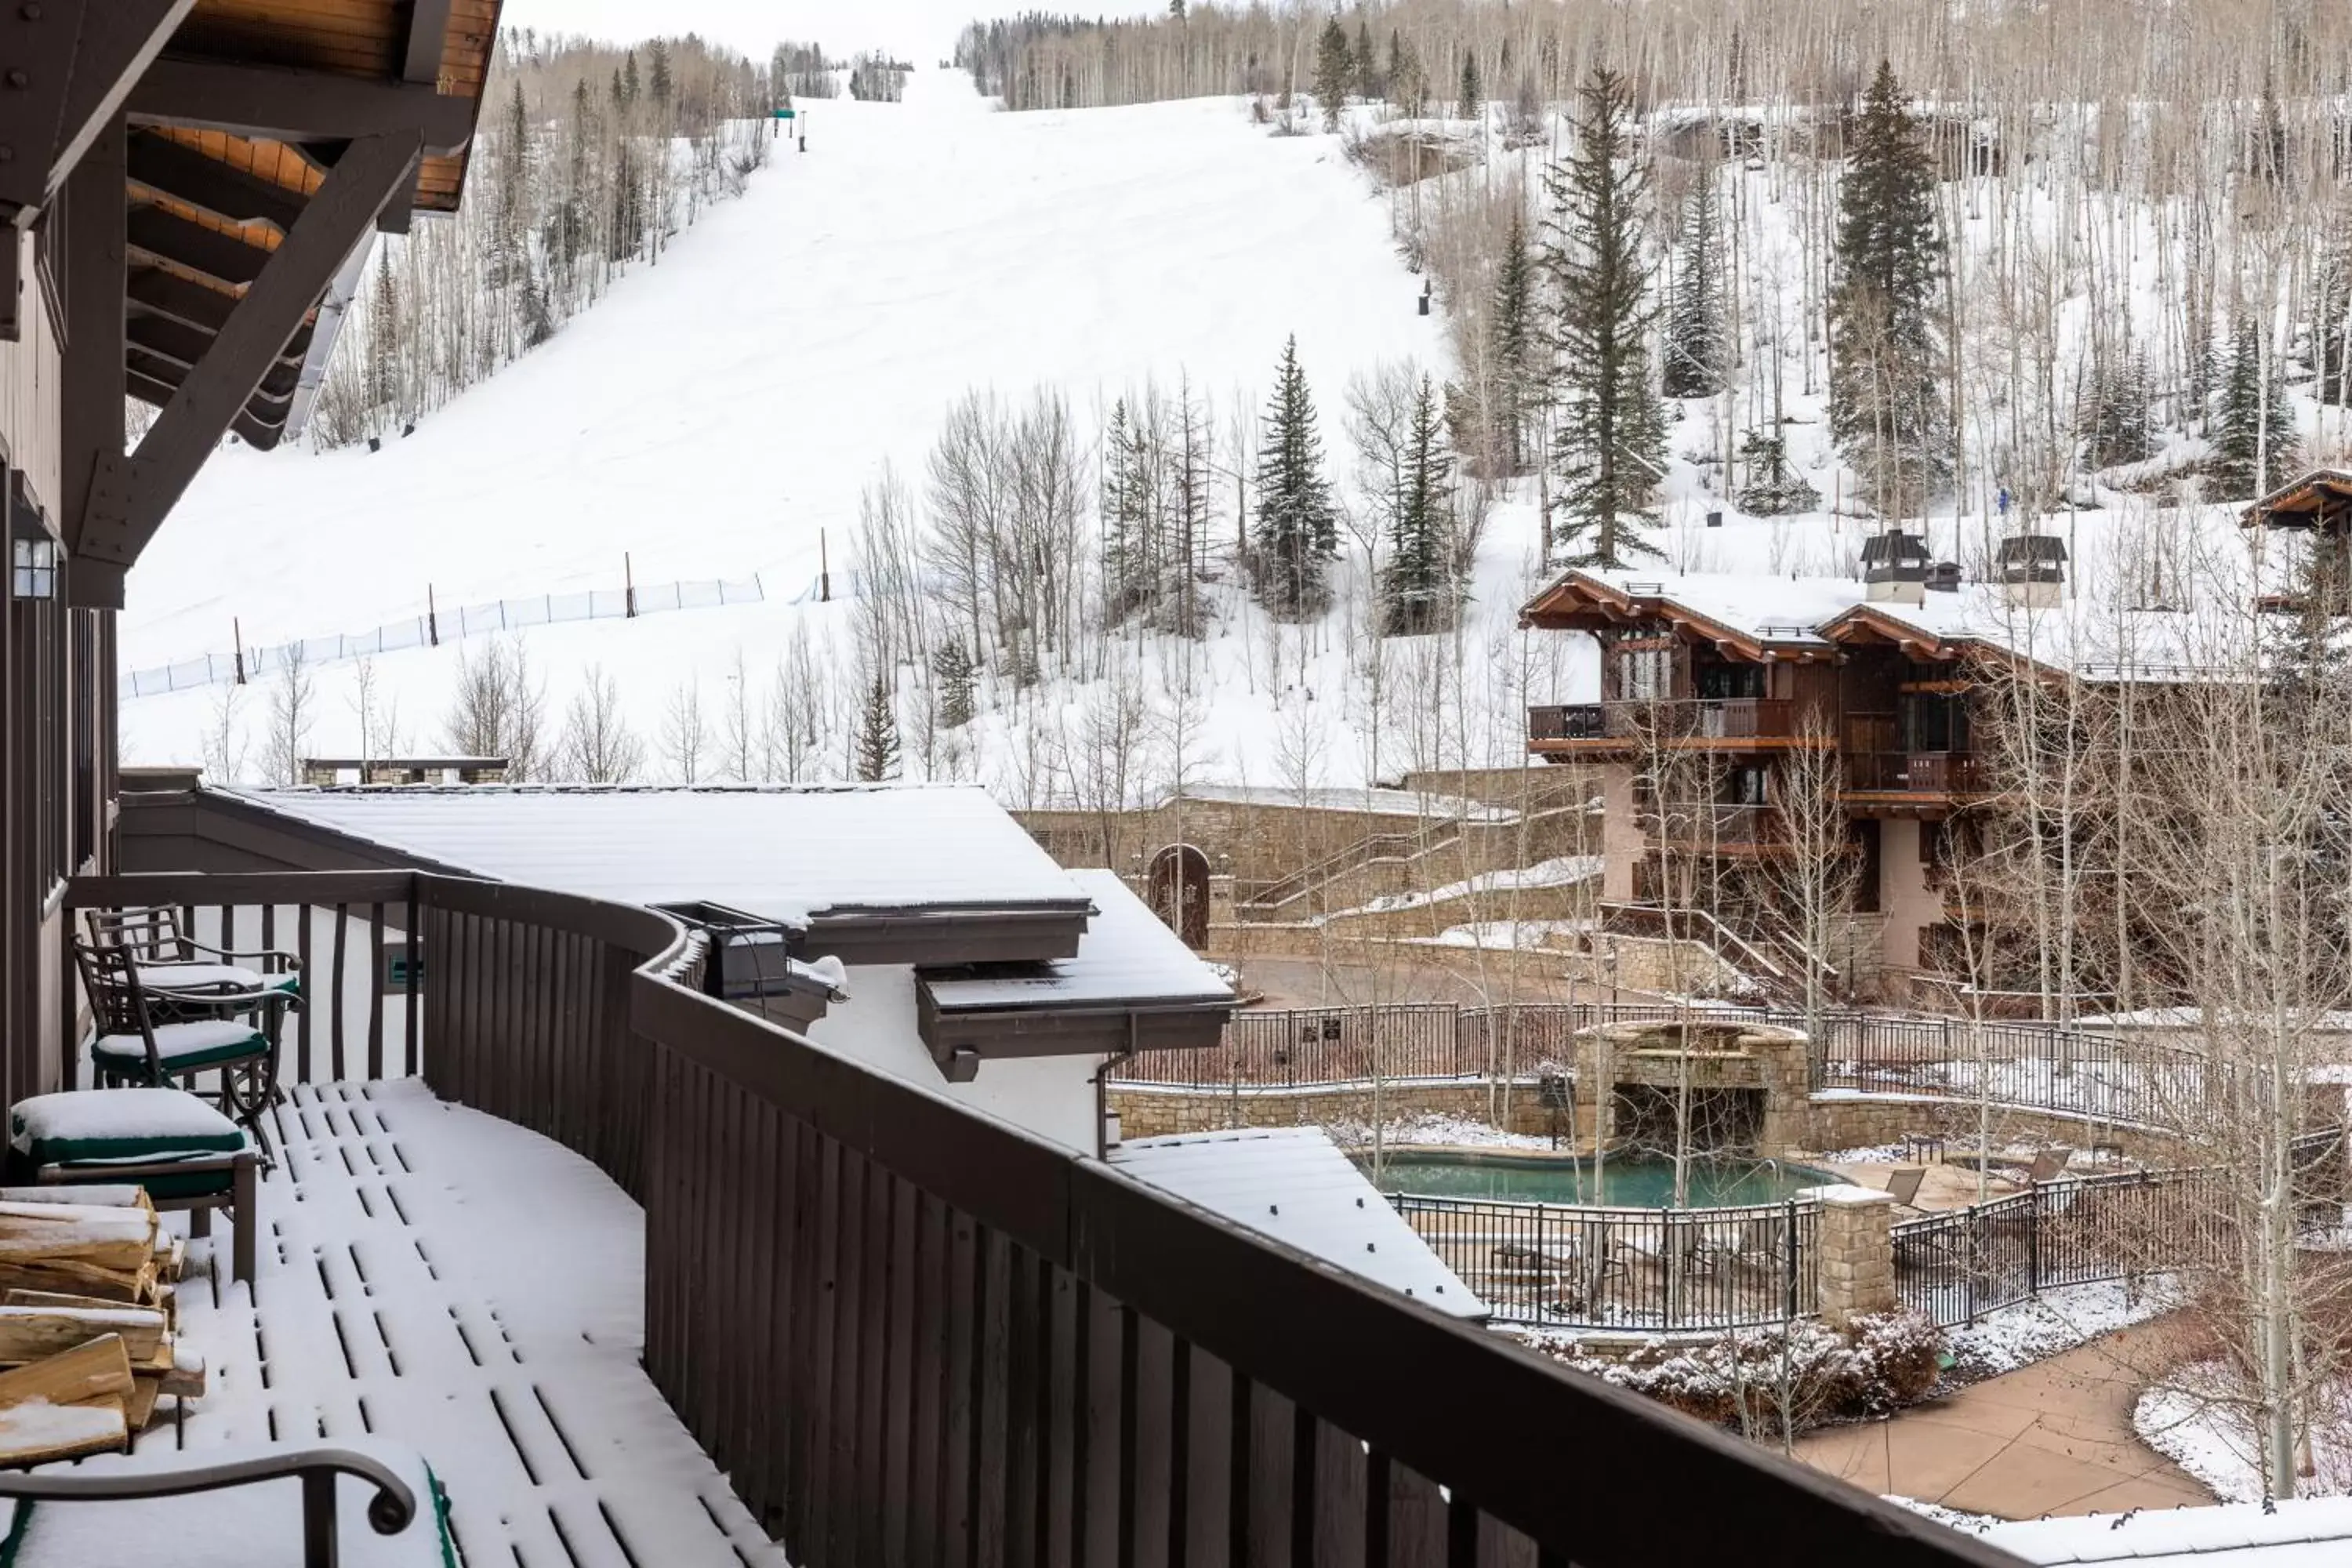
column 443, row 1278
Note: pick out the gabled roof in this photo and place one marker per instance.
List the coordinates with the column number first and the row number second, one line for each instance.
column 2319, row 499
column 2314, row 1533
column 1757, row 617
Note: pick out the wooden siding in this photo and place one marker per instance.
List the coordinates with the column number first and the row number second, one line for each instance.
column 31, row 376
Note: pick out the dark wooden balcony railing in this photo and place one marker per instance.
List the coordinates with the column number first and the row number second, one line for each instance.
column 912, row 1333
column 1576, row 722
column 1703, row 719
column 1918, row 772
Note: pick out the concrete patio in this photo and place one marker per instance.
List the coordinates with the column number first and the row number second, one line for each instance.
column 2054, row 1438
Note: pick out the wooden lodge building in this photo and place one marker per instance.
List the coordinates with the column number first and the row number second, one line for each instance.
column 193, row 186
column 1710, row 685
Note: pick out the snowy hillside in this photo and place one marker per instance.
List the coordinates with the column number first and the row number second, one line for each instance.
column 719, row 411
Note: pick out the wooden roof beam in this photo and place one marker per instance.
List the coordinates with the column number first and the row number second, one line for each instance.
column 133, row 495
column 428, row 31
column 186, row 348
column 71, row 64
column 167, row 296
column 148, row 390
column 226, row 192
column 195, row 247
column 276, row 105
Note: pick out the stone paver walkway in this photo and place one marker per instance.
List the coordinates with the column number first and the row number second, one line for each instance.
column 2052, row 1438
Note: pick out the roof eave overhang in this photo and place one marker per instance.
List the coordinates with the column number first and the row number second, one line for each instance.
column 961, row 1040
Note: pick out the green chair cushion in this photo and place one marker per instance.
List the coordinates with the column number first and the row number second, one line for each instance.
column 183, row 1047
column 98, row 1127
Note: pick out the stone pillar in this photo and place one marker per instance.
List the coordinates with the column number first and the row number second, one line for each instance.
column 1857, row 1252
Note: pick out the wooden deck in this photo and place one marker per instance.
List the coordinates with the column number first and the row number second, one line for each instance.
column 435, row 1275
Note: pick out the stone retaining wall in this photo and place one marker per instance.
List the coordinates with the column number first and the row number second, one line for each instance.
column 1155, row 1112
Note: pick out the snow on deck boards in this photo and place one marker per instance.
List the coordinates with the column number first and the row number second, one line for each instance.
column 435, row 1276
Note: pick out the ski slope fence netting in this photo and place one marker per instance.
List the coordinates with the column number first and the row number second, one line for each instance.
column 2100, row 1077
column 436, row 627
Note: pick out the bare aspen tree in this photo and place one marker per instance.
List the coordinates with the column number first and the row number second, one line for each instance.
column 596, row 745
column 292, row 716
column 686, row 733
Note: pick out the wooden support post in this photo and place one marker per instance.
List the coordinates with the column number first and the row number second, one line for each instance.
column 628, row 588
column 823, row 570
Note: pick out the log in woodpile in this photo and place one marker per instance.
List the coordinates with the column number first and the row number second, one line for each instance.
column 87, row 1323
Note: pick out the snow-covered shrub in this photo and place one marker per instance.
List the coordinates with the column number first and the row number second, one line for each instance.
column 1808, row 1373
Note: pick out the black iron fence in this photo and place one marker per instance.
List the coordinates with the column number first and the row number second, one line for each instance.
column 2101, row 1077
column 1634, row 1269
column 1959, row 1265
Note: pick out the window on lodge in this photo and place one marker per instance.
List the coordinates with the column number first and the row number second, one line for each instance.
column 1728, row 682
column 1934, row 721
column 1645, row 674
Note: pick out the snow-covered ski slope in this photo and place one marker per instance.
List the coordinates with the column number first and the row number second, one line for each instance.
column 721, row 412
column 721, row 408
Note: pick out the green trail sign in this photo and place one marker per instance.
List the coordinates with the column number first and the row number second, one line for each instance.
column 788, row 114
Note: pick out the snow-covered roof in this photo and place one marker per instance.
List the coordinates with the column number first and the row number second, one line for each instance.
column 2313, row 1532
column 787, row 854
column 1294, row 1184
column 2096, row 638
column 1129, row 956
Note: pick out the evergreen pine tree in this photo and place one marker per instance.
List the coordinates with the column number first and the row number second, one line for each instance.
column 1512, row 340
column 1416, row 586
column 1297, row 529
column 1334, row 69
column 1473, row 99
column 877, row 734
column 1696, row 352
column 1130, row 552
column 1189, row 508
column 2253, row 428
column 1368, row 62
column 2114, row 424
column 2331, row 326
column 1886, row 363
column 959, row 677
column 384, row 342
column 1611, row 449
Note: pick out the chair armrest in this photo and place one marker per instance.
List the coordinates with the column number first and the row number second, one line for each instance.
column 276, row 955
column 202, row 996
column 389, row 1512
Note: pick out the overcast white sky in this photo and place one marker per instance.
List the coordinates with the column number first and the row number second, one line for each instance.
column 922, row 30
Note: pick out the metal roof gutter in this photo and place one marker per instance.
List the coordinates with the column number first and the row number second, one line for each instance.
column 332, row 307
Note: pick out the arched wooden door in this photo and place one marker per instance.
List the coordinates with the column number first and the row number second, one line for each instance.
column 1178, row 892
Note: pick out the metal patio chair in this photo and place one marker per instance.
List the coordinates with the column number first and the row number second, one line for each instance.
column 153, row 1037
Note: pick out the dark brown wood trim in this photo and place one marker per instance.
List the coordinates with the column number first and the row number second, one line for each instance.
column 178, row 170
column 428, row 31
column 71, row 66
column 297, row 105
column 336, row 219
column 93, row 384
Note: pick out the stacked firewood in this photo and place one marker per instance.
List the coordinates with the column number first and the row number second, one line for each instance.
column 89, row 1321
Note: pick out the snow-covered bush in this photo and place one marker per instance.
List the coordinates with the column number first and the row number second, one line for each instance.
column 1807, row 1374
